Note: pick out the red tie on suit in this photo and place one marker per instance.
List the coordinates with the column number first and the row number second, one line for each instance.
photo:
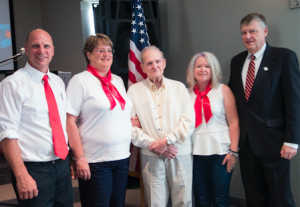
column 250, row 77
column 59, row 141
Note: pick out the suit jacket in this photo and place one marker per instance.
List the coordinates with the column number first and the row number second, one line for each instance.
column 272, row 114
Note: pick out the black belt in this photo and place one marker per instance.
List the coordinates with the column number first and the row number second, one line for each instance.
column 53, row 162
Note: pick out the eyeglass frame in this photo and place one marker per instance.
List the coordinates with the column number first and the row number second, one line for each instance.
column 102, row 51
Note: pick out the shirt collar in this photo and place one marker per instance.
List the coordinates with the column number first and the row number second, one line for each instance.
column 152, row 86
column 259, row 52
column 36, row 74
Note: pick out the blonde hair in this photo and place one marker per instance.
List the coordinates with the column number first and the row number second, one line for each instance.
column 214, row 64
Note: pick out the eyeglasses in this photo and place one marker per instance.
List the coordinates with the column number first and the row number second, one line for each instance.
column 102, row 51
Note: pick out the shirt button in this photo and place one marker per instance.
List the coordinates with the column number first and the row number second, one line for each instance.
column 158, row 129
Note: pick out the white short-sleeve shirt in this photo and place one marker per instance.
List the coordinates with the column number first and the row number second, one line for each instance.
column 105, row 134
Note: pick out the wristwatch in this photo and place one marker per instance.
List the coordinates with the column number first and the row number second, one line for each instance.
column 169, row 141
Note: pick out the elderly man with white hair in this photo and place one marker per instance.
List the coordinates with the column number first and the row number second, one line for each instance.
column 167, row 121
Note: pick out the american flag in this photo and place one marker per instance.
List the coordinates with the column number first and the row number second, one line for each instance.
column 139, row 39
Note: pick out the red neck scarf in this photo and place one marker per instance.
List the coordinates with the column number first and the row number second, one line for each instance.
column 109, row 89
column 205, row 102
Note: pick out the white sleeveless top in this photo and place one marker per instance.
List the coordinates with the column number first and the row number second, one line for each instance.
column 213, row 137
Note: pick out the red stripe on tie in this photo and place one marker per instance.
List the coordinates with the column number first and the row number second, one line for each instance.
column 250, row 77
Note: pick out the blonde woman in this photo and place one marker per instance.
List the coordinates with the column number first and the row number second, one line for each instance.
column 216, row 135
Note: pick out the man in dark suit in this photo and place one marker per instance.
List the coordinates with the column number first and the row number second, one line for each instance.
column 266, row 83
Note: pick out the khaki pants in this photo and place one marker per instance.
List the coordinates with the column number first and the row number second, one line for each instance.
column 162, row 177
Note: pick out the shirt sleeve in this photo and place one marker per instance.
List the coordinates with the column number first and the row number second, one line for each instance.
column 75, row 96
column 186, row 124
column 10, row 111
column 138, row 137
column 292, row 145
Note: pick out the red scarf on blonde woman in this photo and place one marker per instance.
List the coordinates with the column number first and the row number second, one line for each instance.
column 202, row 99
column 109, row 89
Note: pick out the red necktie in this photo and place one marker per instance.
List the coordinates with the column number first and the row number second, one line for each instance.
column 59, row 141
column 109, row 89
column 199, row 102
column 250, row 77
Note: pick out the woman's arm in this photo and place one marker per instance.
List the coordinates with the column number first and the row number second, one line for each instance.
column 233, row 122
column 82, row 166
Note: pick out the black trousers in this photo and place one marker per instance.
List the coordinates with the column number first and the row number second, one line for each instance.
column 266, row 179
column 54, row 184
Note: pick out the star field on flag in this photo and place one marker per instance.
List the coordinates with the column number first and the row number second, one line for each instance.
column 139, row 39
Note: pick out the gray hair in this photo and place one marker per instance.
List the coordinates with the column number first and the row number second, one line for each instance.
column 150, row 48
column 254, row 17
column 214, row 64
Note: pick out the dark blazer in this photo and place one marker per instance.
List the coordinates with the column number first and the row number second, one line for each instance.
column 272, row 114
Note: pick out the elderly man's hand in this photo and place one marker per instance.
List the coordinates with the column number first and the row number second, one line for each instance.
column 159, row 146
column 136, row 122
column 170, row 152
column 288, row 152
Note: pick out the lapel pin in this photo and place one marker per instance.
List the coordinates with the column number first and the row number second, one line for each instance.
column 266, row 68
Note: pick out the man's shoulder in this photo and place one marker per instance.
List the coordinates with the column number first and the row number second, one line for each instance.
column 53, row 75
column 138, row 85
column 174, row 83
column 56, row 78
column 281, row 51
column 16, row 76
column 240, row 56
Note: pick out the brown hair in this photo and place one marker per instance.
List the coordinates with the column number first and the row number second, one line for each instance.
column 92, row 42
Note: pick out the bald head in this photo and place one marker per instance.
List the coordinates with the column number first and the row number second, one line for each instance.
column 39, row 49
column 34, row 31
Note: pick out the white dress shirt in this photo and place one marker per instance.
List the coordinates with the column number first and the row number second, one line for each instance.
column 24, row 113
column 258, row 58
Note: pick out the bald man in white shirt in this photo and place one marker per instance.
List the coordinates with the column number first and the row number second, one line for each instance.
column 40, row 174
